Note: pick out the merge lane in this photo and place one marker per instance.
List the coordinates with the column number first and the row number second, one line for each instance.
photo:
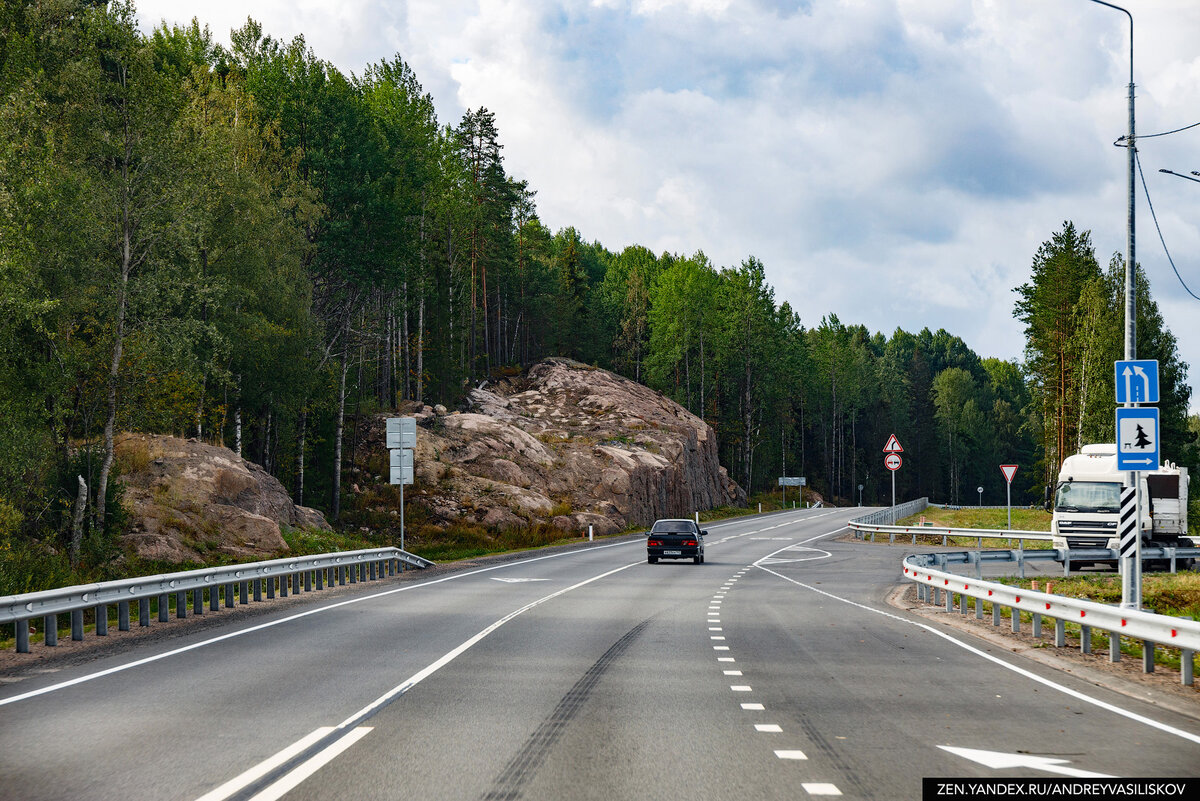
column 882, row 694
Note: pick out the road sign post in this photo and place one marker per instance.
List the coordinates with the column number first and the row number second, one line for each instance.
column 1009, row 470
column 892, row 462
column 1135, row 381
column 401, row 435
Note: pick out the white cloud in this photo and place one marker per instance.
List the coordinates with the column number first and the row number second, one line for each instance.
column 896, row 162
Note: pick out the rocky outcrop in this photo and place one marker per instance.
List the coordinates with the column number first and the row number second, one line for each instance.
column 569, row 445
column 187, row 499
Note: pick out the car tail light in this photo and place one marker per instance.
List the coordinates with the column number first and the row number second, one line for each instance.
column 654, row 542
column 689, row 542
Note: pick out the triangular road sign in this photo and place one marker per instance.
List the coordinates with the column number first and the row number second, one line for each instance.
column 1009, row 470
column 893, row 445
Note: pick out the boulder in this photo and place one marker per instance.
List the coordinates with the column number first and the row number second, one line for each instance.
column 187, row 499
column 566, row 445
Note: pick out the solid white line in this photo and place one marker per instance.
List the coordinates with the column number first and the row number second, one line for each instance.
column 241, row 632
column 263, row 768
column 450, row 656
column 311, row 766
column 1007, row 665
column 418, row 677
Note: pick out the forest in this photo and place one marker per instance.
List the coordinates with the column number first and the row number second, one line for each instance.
column 246, row 245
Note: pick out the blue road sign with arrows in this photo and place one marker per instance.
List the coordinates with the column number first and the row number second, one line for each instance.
column 1137, row 381
column 1137, row 438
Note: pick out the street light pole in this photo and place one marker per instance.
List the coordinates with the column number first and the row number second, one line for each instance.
column 1131, row 568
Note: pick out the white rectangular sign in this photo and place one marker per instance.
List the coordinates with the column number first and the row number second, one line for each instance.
column 401, row 432
column 401, row 466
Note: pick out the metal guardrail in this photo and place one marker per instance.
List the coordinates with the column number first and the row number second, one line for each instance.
column 891, row 514
column 933, row 579
column 299, row 574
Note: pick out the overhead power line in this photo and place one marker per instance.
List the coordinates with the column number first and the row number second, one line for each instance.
column 1154, row 217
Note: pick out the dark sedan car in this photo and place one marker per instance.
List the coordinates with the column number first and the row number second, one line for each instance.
column 675, row 539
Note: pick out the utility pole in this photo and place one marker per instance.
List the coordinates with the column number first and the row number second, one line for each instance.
column 1131, row 567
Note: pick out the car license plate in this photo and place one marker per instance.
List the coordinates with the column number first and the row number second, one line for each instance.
column 672, row 553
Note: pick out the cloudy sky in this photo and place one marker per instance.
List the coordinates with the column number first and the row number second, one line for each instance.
column 894, row 162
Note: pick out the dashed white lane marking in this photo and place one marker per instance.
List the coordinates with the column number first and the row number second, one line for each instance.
column 753, row 707
column 726, row 659
column 820, row 788
column 715, row 637
column 289, row 782
column 732, row 672
column 1125, row 713
column 720, row 647
column 715, row 628
column 740, row 688
column 770, row 728
column 793, row 754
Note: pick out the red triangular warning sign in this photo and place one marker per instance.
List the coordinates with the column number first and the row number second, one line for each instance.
column 893, row 445
column 1009, row 470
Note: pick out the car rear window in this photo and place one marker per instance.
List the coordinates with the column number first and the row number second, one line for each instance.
column 674, row 527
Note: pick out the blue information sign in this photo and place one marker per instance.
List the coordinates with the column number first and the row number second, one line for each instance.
column 1137, row 381
column 1137, row 438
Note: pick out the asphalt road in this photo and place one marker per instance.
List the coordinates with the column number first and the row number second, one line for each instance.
column 774, row 671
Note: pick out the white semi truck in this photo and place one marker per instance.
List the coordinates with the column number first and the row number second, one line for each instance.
column 1087, row 501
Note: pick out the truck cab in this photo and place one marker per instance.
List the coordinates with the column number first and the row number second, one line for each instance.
column 1087, row 502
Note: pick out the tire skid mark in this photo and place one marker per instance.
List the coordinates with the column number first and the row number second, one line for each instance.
column 510, row 784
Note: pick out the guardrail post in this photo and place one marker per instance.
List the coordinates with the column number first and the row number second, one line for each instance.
column 308, row 576
column 995, row 614
column 1147, row 656
column 283, row 586
column 1171, row 553
column 258, row 590
column 321, row 579
column 229, row 591
column 180, row 605
column 962, row 603
column 1037, row 624
column 914, row 542
column 122, row 615
column 51, row 627
column 1019, row 557
column 102, row 620
column 949, row 601
column 214, row 598
column 1016, row 620
column 1114, row 647
column 937, row 596
column 243, row 592
column 943, row 540
column 22, row 636
column 76, row 624
column 1085, row 639
column 143, row 612
column 1185, row 666
column 1066, row 562
column 341, row 575
column 198, row 601
column 164, row 608
column 978, row 609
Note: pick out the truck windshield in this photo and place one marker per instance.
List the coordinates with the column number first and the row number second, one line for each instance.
column 1087, row 496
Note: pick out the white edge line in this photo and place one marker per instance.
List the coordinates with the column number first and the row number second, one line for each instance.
column 311, row 766
column 1008, row 665
column 175, row 652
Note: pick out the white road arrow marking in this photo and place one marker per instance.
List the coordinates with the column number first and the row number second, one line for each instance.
column 517, row 580
column 996, row 759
